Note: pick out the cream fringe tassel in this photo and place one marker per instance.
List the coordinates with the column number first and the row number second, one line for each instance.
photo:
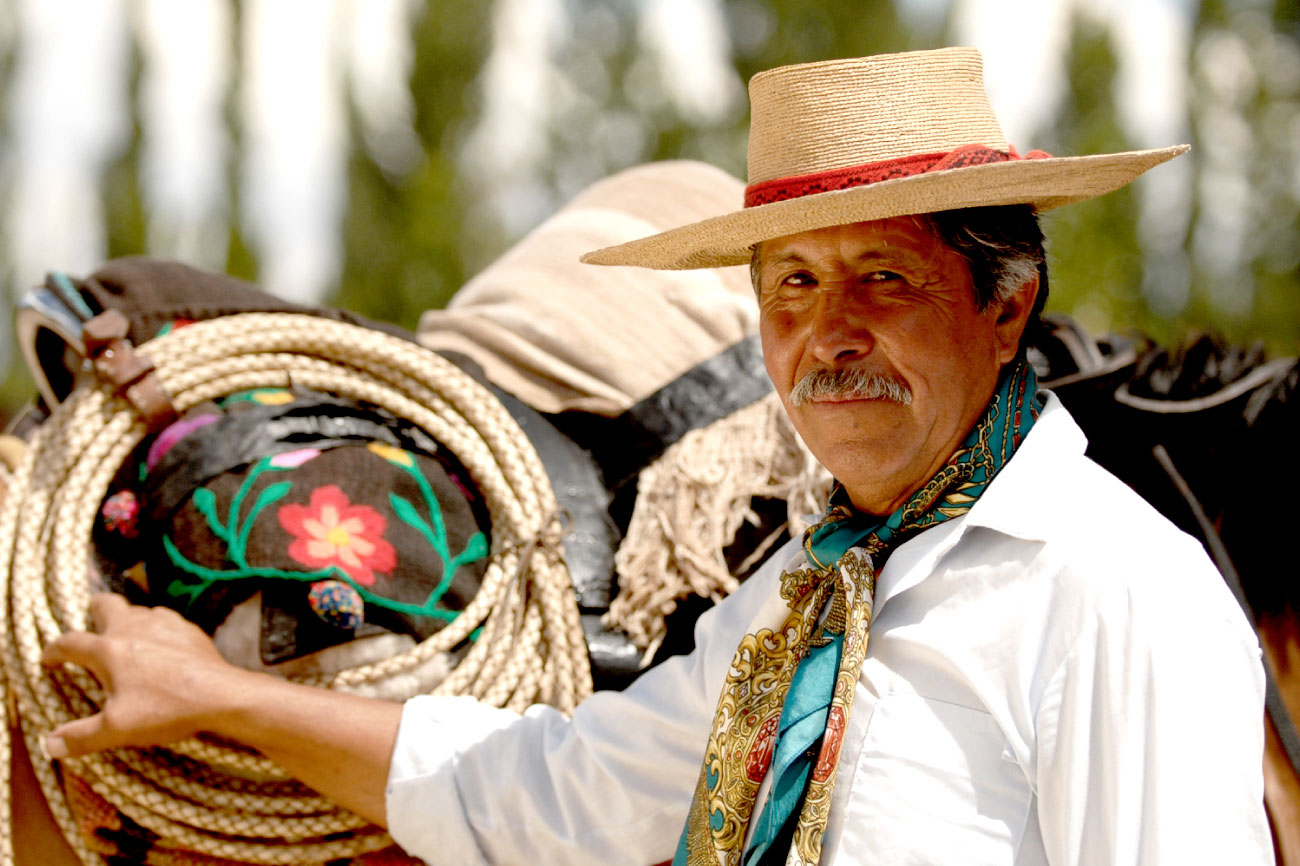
column 692, row 501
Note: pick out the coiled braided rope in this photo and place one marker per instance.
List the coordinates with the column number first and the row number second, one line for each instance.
column 221, row 800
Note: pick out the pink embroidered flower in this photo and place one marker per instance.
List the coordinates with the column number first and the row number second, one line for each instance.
column 331, row 531
column 294, row 459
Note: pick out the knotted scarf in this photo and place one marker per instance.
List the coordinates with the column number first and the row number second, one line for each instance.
column 793, row 686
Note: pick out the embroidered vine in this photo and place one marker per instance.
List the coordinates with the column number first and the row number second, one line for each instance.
column 343, row 540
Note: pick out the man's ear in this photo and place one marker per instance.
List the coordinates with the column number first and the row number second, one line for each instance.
column 1012, row 317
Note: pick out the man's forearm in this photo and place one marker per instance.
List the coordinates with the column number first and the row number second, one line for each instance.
column 336, row 743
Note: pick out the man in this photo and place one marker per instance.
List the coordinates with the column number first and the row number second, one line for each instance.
column 988, row 651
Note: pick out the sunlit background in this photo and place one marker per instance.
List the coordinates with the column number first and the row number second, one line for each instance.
column 373, row 154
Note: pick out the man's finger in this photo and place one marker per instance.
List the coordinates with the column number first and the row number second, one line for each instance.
column 104, row 606
column 78, row 648
column 80, row 737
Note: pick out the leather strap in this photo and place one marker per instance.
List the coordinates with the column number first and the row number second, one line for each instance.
column 710, row 391
column 131, row 374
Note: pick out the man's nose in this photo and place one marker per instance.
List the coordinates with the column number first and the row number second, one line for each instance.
column 840, row 329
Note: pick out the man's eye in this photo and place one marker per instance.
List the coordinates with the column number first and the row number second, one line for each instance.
column 799, row 278
column 881, row 276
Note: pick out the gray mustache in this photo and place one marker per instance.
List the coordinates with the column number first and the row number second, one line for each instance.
column 853, row 382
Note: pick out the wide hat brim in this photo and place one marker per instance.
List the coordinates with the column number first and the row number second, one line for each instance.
column 1045, row 184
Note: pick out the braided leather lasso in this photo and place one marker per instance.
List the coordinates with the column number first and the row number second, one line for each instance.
column 218, row 799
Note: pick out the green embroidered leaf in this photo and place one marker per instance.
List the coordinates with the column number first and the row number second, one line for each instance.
column 437, row 535
column 273, row 493
column 179, row 588
column 206, row 502
column 475, row 549
column 406, row 511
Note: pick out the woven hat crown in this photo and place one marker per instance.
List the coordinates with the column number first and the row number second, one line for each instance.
column 815, row 117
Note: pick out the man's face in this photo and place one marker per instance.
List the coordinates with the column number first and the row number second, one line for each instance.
column 889, row 302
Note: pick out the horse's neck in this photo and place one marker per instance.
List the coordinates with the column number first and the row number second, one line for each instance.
column 1279, row 635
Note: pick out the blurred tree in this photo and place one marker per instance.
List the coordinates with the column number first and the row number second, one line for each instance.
column 241, row 259
column 762, row 34
column 604, row 98
column 126, row 224
column 772, row 33
column 1245, row 103
column 15, row 384
column 619, row 82
column 403, row 233
column 1275, row 314
column 624, row 82
column 1094, row 253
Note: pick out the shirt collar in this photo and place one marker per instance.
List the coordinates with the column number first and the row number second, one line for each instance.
column 1055, row 437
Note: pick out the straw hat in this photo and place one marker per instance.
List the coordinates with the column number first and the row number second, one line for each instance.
column 846, row 141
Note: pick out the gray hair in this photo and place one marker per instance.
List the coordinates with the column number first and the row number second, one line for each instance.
column 1002, row 246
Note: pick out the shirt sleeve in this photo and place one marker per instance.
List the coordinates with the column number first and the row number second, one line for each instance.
column 471, row 784
column 1150, row 733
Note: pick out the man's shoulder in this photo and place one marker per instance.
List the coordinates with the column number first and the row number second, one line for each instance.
column 1078, row 552
column 1092, row 527
column 1093, row 501
column 1052, row 491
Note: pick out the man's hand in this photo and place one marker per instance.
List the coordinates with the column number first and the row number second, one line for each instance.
column 164, row 678
column 166, row 681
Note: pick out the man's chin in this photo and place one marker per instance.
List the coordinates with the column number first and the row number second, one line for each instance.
column 856, row 435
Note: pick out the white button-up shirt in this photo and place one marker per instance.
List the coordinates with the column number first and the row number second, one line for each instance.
column 1059, row 676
